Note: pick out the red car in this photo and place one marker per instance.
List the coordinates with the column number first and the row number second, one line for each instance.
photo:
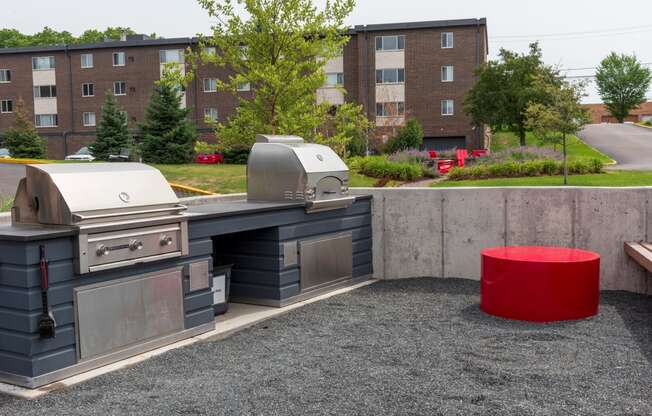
column 209, row 158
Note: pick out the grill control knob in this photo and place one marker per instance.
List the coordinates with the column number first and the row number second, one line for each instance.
column 135, row 245
column 102, row 250
column 166, row 240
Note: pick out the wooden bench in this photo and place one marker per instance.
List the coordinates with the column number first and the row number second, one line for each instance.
column 641, row 253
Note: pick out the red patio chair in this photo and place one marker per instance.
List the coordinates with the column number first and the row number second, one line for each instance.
column 479, row 152
column 432, row 154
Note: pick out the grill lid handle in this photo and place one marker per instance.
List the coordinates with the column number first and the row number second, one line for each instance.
column 82, row 217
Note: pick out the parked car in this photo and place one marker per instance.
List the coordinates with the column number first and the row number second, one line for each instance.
column 83, row 154
column 209, row 158
column 124, row 156
column 4, row 154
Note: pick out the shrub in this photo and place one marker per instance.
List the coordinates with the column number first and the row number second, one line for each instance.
column 513, row 169
column 648, row 123
column 381, row 167
column 21, row 138
column 237, row 154
column 409, row 136
column 205, row 147
column 410, row 156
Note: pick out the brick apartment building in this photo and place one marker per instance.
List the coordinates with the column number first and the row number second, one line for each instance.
column 396, row 71
column 600, row 114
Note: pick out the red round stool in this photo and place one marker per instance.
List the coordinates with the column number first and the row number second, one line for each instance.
column 540, row 284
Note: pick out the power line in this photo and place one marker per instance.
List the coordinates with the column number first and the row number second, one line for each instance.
column 593, row 67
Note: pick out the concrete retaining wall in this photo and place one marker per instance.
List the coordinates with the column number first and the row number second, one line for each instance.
column 440, row 232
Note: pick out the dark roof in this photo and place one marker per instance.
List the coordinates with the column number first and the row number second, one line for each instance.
column 420, row 25
column 101, row 45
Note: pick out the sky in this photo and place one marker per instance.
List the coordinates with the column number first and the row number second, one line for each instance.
column 572, row 33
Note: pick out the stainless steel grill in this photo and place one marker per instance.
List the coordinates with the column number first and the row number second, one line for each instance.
column 284, row 168
column 126, row 213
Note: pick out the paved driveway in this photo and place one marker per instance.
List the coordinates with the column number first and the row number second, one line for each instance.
column 627, row 144
column 9, row 177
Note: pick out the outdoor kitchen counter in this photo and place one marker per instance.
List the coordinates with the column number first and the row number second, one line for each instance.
column 34, row 232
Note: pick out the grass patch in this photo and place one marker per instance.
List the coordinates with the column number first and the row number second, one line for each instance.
column 5, row 204
column 577, row 149
column 230, row 179
column 609, row 179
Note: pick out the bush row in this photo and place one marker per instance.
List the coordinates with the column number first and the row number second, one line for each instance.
column 381, row 167
column 527, row 168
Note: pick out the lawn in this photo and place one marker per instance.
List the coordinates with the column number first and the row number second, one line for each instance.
column 611, row 179
column 576, row 148
column 228, row 179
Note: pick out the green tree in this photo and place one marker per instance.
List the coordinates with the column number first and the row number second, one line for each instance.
column 505, row 88
column 562, row 116
column 345, row 130
column 622, row 83
column 167, row 134
column 12, row 38
column 280, row 50
column 409, row 136
column 21, row 138
column 112, row 133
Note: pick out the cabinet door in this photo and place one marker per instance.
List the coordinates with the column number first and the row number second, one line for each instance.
column 325, row 260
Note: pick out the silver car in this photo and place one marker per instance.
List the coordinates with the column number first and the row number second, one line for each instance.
column 4, row 154
column 83, row 154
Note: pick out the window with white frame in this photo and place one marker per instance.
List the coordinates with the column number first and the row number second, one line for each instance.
column 390, row 43
column 244, row 86
column 447, row 107
column 171, row 56
column 5, row 75
column 86, row 60
column 45, row 91
column 88, row 90
column 392, row 109
column 390, row 76
column 447, row 40
column 210, row 114
column 46, row 120
column 41, row 63
column 88, row 118
column 334, row 79
column 210, row 85
column 6, row 106
column 447, row 73
column 118, row 59
column 119, row 88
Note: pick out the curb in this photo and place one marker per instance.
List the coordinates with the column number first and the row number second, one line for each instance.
column 189, row 189
column 23, row 161
column 643, row 126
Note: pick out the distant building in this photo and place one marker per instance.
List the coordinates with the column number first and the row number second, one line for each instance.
column 600, row 114
column 396, row 71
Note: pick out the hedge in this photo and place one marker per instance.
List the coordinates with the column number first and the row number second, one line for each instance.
column 380, row 167
column 527, row 168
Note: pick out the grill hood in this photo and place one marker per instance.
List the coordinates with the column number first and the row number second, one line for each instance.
column 284, row 168
column 80, row 193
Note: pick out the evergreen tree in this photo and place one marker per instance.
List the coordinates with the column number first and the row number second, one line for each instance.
column 167, row 134
column 21, row 139
column 112, row 133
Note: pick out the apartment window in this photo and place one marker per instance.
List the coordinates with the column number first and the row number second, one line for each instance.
column 46, row 120
column 45, row 91
column 210, row 114
column 6, row 106
column 88, row 90
column 119, row 88
column 244, row 86
column 390, row 109
column 40, row 63
column 390, row 76
column 88, row 119
column 390, row 43
column 447, row 73
column 5, row 75
column 334, row 79
column 447, row 107
column 210, row 85
column 171, row 56
column 447, row 40
column 86, row 60
column 118, row 59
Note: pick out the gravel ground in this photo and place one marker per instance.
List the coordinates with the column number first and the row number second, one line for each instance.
column 417, row 346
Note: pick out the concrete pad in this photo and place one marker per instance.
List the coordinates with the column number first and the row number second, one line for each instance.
column 239, row 317
column 604, row 219
column 412, row 239
column 473, row 219
column 540, row 217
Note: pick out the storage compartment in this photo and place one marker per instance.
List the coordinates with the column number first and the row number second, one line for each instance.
column 325, row 260
column 113, row 315
column 221, row 286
